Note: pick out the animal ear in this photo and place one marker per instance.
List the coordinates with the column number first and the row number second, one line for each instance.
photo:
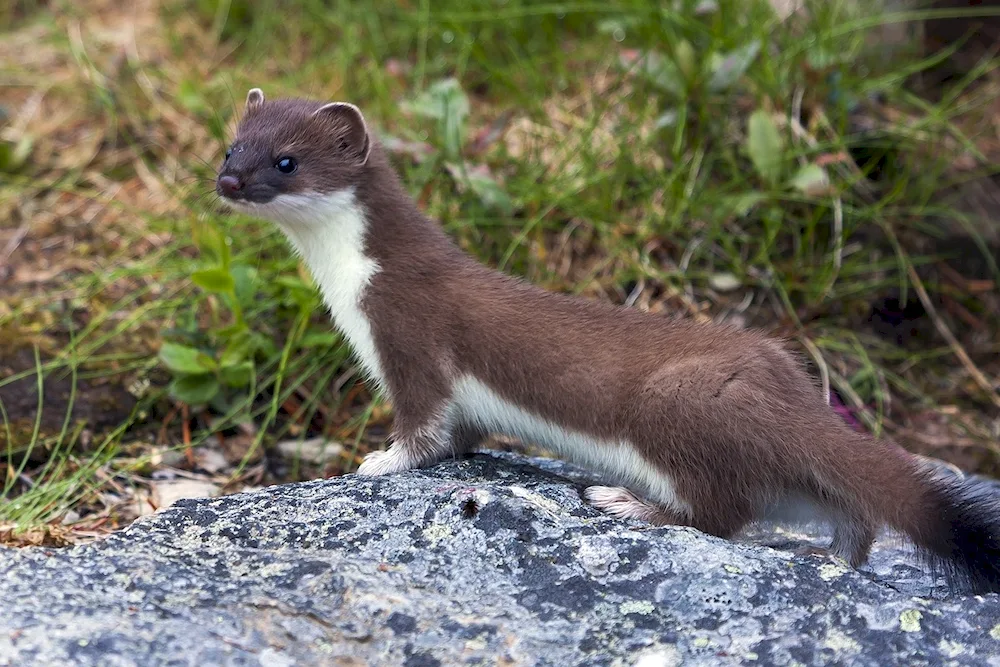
column 350, row 129
column 255, row 99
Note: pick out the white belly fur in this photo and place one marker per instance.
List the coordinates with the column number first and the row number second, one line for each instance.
column 615, row 461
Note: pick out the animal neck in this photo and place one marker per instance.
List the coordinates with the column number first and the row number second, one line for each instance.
column 329, row 232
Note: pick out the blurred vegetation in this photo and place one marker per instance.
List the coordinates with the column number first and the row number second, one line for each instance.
column 719, row 158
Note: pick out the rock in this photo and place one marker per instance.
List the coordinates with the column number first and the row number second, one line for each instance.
column 317, row 450
column 724, row 282
column 491, row 560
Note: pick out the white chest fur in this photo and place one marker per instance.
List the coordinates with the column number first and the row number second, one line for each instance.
column 328, row 231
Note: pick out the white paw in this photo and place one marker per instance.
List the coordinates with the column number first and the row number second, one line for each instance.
column 616, row 501
column 383, row 462
column 607, row 497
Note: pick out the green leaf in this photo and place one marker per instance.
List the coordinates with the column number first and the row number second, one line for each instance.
column 239, row 348
column 446, row 102
column 207, row 361
column 320, row 339
column 764, row 146
column 7, row 157
column 186, row 360
column 685, row 59
column 231, row 331
column 263, row 344
column 490, row 193
column 663, row 73
column 195, row 389
column 211, row 242
column 291, row 281
column 296, row 292
column 191, row 96
column 479, row 180
column 811, row 180
column 214, row 280
column 14, row 155
column 728, row 68
column 740, row 205
column 440, row 99
column 244, row 283
column 239, row 375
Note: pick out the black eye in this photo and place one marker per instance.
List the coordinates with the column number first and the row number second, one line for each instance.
column 229, row 151
column 286, row 165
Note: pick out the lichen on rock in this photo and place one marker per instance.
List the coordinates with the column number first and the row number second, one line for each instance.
column 486, row 560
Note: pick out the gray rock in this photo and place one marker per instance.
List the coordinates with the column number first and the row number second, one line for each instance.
column 488, row 560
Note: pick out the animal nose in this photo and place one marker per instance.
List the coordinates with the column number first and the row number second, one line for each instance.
column 230, row 185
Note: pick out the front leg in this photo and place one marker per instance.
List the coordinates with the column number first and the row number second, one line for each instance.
column 411, row 449
column 424, row 447
column 421, row 430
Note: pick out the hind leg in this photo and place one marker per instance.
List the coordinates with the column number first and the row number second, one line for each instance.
column 852, row 542
column 852, row 539
column 621, row 503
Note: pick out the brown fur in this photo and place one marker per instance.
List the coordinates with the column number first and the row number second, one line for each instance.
column 730, row 415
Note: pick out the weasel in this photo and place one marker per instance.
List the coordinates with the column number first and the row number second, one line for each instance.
column 687, row 424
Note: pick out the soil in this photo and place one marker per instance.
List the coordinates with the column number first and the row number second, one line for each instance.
column 97, row 405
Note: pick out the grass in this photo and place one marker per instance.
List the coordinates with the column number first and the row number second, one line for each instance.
column 714, row 159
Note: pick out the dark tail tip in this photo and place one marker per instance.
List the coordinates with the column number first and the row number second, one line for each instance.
column 961, row 533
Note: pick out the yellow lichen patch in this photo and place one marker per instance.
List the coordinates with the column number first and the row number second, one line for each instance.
column 637, row 607
column 909, row 620
column 951, row 649
column 436, row 533
column 838, row 641
column 830, row 571
column 536, row 499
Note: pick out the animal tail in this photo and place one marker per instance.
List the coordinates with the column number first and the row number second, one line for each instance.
column 954, row 522
column 958, row 529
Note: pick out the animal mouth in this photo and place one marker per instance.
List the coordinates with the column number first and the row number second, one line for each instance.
column 242, row 197
column 235, row 203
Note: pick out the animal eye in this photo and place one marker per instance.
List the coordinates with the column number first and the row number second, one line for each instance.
column 229, row 151
column 286, row 165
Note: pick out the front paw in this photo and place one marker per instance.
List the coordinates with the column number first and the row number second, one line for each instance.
column 383, row 462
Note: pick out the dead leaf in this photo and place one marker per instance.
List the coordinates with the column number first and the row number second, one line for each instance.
column 47, row 535
column 832, row 158
column 210, row 459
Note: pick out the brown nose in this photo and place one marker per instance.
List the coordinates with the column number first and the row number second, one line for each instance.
column 230, row 185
